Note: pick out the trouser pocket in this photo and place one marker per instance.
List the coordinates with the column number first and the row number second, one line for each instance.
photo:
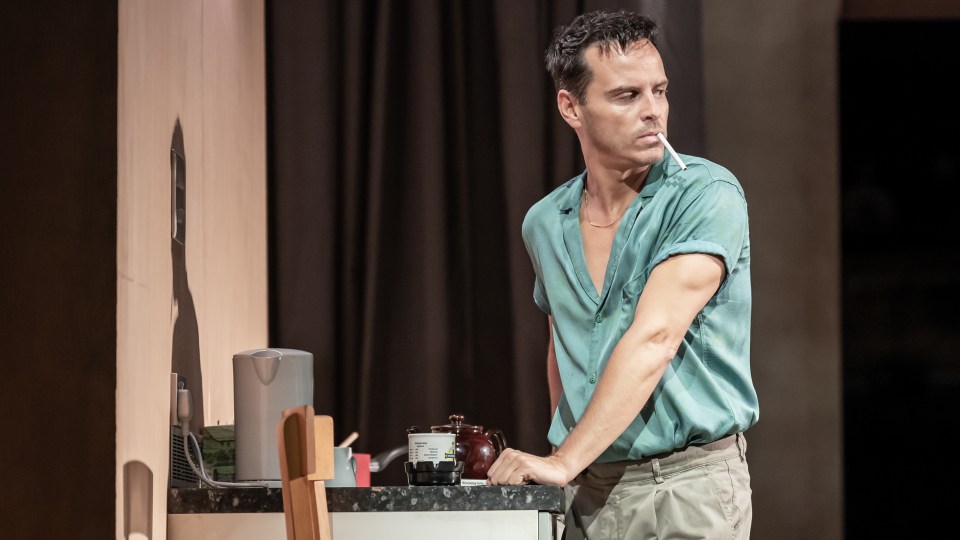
column 730, row 481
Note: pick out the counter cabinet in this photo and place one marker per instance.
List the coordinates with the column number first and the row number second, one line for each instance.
column 422, row 513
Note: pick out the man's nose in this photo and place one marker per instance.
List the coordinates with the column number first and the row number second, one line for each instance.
column 650, row 107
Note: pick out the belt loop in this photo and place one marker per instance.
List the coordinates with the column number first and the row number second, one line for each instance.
column 656, row 470
column 742, row 446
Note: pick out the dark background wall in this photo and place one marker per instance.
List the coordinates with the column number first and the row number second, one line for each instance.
column 901, row 285
column 58, row 172
column 771, row 117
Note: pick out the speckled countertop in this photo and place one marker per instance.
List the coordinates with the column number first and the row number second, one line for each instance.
column 375, row 499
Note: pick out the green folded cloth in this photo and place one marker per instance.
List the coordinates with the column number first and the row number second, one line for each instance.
column 219, row 450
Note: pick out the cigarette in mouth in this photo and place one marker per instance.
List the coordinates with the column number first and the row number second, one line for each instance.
column 670, row 149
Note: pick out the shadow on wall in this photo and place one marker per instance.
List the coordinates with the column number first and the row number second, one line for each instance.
column 185, row 351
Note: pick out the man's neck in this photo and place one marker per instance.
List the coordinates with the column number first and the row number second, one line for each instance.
column 613, row 188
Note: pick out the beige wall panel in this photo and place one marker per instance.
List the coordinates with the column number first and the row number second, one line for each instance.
column 233, row 316
column 163, row 75
column 771, row 117
column 158, row 80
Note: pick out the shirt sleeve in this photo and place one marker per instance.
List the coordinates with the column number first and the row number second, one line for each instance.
column 539, row 292
column 540, row 297
column 713, row 220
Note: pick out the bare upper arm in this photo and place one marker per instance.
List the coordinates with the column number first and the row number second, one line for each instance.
column 678, row 288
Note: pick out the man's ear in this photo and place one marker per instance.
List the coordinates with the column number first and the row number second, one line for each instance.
column 569, row 108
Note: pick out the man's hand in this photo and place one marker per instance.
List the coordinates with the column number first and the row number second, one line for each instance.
column 514, row 467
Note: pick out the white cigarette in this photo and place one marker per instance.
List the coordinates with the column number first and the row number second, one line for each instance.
column 670, row 149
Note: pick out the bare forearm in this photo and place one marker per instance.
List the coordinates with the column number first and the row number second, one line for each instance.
column 630, row 377
column 677, row 289
column 635, row 367
column 675, row 292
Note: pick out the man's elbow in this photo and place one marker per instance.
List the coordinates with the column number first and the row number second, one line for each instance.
column 665, row 346
column 659, row 343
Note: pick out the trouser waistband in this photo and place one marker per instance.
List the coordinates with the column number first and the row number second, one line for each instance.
column 657, row 467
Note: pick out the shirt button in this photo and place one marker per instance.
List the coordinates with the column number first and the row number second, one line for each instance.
column 599, row 319
column 593, row 378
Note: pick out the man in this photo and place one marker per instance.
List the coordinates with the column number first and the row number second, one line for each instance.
column 643, row 267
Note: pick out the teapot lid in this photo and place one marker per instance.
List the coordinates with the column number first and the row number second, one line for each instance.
column 456, row 425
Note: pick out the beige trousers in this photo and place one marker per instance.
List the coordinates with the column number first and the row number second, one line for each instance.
column 700, row 492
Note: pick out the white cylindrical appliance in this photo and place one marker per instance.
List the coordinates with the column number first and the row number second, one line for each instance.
column 265, row 383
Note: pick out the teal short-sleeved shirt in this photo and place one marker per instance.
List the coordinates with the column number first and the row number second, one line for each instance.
column 706, row 391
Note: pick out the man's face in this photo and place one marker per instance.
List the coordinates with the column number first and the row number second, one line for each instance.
column 625, row 106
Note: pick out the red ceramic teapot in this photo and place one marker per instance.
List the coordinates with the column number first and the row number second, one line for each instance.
column 475, row 448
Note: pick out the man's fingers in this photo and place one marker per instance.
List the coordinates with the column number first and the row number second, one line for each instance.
column 514, row 468
column 505, row 468
column 497, row 465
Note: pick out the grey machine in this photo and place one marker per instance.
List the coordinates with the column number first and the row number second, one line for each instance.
column 265, row 383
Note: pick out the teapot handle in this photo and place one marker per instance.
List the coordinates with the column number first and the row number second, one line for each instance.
column 498, row 440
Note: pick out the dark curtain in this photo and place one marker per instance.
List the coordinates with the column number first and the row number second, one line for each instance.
column 407, row 139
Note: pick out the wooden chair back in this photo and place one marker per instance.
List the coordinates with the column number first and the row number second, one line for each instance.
column 305, row 442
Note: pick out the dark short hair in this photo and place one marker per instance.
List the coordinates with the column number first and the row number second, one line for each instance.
column 564, row 57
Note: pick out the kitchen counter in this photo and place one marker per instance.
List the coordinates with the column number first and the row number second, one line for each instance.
column 421, row 513
column 375, row 499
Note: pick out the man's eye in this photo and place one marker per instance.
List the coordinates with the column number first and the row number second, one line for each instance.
column 660, row 92
column 627, row 96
